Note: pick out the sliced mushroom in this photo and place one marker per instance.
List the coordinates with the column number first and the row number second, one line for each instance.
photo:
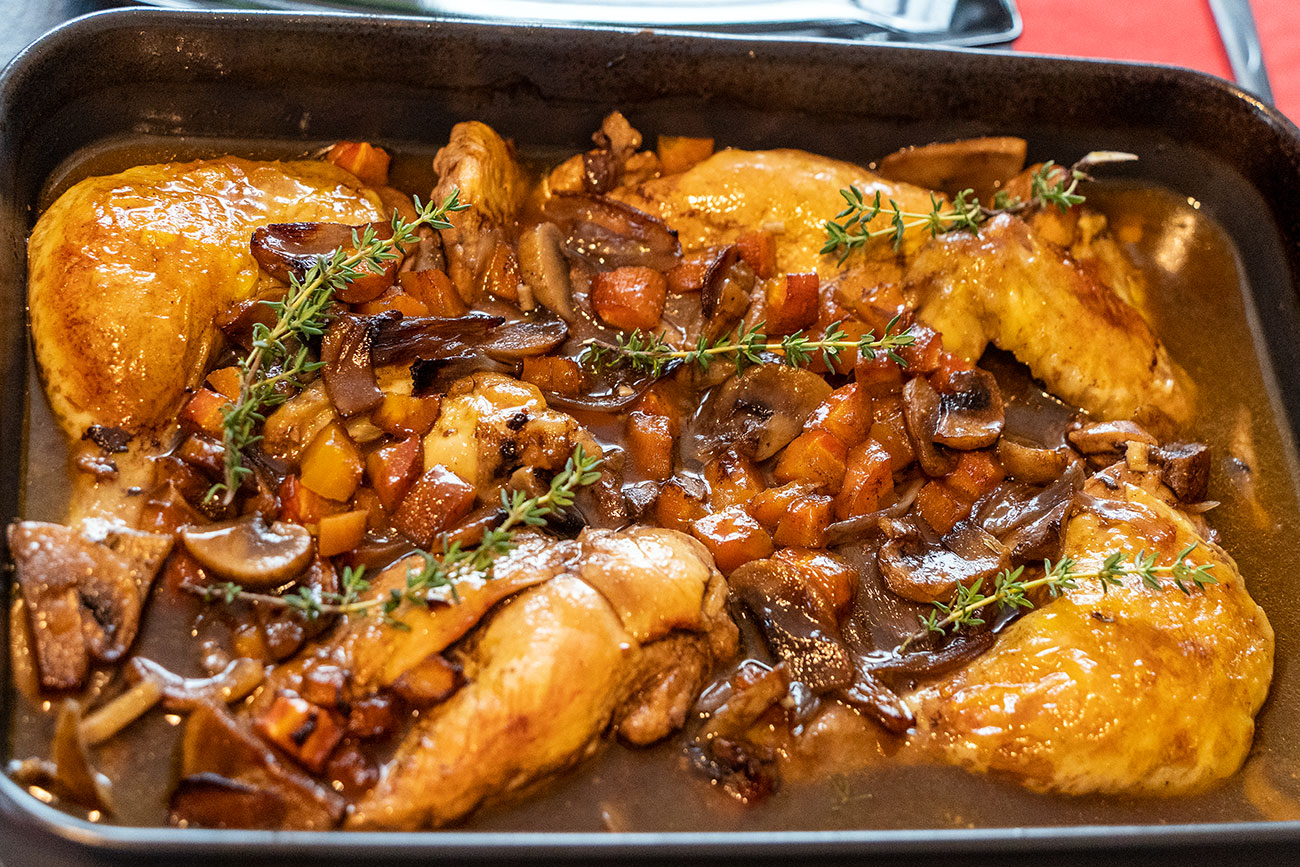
column 349, row 373
column 928, row 572
column 249, row 552
column 525, row 338
column 921, row 405
column 1108, row 436
column 546, row 270
column 970, row 411
column 1185, row 468
column 1030, row 463
column 760, row 411
column 981, row 164
column 83, row 592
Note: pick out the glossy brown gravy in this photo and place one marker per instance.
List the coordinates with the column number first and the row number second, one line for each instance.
column 1202, row 312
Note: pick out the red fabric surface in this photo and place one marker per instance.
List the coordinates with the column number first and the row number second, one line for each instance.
column 1180, row 32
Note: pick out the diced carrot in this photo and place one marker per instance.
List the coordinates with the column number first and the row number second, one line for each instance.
column 300, row 728
column 659, row 400
column 976, row 474
column 854, row 330
column 650, row 444
column 758, row 251
column 366, row 500
column 204, row 453
column 558, row 375
column 768, row 506
column 693, row 272
column 433, row 289
column 890, row 430
column 225, row 381
column 435, row 503
column 733, row 538
column 868, row 479
column 804, row 524
column 733, row 480
column 833, row 579
column 923, row 355
column 879, row 376
column 203, row 412
column 630, row 297
column 940, row 506
column 393, row 299
column 791, row 303
column 300, row 505
column 815, row 456
column 393, row 468
column 331, row 464
column 846, row 413
column 677, row 153
column 341, row 532
column 880, row 305
column 948, row 365
column 677, row 508
column 501, row 277
column 433, row 680
column 367, row 162
column 404, row 415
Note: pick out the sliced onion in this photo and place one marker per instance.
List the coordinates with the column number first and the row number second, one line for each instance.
column 349, row 373
column 608, row 234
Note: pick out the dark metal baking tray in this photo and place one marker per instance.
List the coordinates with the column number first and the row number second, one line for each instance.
column 282, row 79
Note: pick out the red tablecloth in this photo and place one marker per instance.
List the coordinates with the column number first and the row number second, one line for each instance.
column 1179, row 32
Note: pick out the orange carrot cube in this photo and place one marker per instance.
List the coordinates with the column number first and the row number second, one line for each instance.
column 768, row 506
column 890, row 430
column 804, row 524
column 733, row 538
column 658, row 400
column 868, row 479
column 940, row 506
column 677, row 153
column 815, row 456
column 832, row 579
column 501, row 277
column 758, row 251
column 732, row 479
column 792, row 303
column 630, row 297
column 433, row 289
column 404, row 415
column 300, row 728
column 976, row 474
column 558, row 375
column 367, row 162
column 331, row 463
column 392, row 298
column 341, row 532
column 203, row 412
column 300, row 505
column 923, row 355
column 846, row 413
column 650, row 444
column 677, row 508
column 225, row 382
column 879, row 376
column 393, row 468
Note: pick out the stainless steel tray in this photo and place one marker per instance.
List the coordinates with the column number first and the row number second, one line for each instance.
column 285, row 79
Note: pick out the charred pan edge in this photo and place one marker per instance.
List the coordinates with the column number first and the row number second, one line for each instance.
column 146, row 72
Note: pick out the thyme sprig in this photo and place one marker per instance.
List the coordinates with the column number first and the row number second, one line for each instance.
column 1049, row 185
column 279, row 361
column 652, row 354
column 435, row 580
column 1011, row 589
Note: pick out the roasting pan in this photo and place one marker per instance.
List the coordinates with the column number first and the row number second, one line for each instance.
column 290, row 82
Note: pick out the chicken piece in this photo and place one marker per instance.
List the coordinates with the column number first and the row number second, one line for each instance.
column 127, row 272
column 481, row 164
column 1133, row 691
column 490, row 424
column 1007, row 287
column 547, row 673
column 789, row 192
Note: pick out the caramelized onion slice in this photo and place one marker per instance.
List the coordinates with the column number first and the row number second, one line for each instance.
column 287, row 250
column 349, row 373
column 432, row 338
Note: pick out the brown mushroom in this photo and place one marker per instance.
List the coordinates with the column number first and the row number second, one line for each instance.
column 1108, row 436
column 546, row 270
column 249, row 552
column 970, row 411
column 1185, row 468
column 537, row 335
column 925, row 571
column 1031, row 463
column 762, row 410
column 921, row 405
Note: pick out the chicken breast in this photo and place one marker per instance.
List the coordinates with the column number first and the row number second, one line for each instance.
column 547, row 673
column 1134, row 691
column 127, row 272
column 788, row 192
column 1008, row 287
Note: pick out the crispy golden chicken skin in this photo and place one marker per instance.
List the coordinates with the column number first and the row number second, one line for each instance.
column 1133, row 691
column 127, row 272
column 549, row 673
column 1008, row 287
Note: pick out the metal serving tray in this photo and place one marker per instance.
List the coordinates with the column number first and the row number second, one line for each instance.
column 286, row 78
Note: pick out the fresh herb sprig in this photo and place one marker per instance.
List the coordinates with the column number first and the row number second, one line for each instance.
column 652, row 354
column 435, row 580
column 1049, row 185
column 279, row 361
column 1011, row 589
